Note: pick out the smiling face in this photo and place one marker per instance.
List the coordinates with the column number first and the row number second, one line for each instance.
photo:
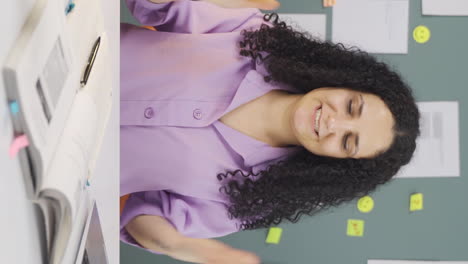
column 421, row 34
column 342, row 123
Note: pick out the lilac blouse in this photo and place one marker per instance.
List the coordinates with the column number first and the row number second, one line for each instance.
column 175, row 84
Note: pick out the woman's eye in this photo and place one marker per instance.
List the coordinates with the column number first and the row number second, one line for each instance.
column 350, row 106
column 345, row 142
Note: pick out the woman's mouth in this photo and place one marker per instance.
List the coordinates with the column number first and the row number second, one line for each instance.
column 318, row 114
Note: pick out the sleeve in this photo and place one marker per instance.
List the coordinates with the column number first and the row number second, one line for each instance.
column 185, row 16
column 192, row 217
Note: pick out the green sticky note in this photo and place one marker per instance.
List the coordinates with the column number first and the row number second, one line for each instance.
column 416, row 202
column 274, row 235
column 355, row 228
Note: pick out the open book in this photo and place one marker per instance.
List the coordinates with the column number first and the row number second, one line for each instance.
column 63, row 121
column 92, row 247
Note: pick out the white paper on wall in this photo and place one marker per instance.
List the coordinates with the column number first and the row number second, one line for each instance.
column 437, row 152
column 374, row 26
column 379, row 261
column 315, row 24
column 445, row 7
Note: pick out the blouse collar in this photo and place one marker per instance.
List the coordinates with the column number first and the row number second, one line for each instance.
column 255, row 153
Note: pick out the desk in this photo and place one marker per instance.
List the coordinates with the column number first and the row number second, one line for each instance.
column 20, row 220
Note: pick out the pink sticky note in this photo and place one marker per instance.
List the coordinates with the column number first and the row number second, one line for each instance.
column 18, row 143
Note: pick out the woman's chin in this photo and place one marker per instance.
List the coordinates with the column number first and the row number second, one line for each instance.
column 301, row 124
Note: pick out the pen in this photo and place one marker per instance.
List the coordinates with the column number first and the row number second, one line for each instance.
column 89, row 66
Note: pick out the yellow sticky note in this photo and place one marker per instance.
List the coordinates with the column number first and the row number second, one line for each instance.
column 416, row 202
column 355, row 227
column 421, row 34
column 274, row 235
column 365, row 204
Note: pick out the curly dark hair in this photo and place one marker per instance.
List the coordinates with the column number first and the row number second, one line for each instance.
column 305, row 183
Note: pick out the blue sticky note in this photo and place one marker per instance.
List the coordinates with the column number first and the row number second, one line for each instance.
column 14, row 107
column 87, row 183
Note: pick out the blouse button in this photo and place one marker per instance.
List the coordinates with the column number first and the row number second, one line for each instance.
column 149, row 112
column 197, row 114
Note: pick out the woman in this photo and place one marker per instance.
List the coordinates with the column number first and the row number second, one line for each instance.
column 231, row 120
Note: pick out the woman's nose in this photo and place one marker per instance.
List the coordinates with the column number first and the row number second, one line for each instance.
column 335, row 124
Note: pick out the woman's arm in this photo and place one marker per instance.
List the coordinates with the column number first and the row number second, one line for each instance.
column 161, row 1
column 260, row 4
column 194, row 17
column 156, row 233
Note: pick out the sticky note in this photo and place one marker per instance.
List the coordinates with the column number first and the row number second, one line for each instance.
column 18, row 143
column 14, row 107
column 328, row 3
column 87, row 183
column 416, row 202
column 365, row 204
column 274, row 235
column 355, row 227
column 149, row 27
column 421, row 34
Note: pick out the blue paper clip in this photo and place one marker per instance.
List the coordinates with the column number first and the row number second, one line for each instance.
column 70, row 7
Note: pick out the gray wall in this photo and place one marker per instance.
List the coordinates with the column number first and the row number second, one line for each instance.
column 436, row 70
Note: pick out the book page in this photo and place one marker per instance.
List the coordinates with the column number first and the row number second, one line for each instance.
column 99, row 87
column 69, row 168
column 40, row 76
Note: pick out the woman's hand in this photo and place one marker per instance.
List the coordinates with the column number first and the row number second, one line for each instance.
column 211, row 251
column 260, row 4
column 156, row 233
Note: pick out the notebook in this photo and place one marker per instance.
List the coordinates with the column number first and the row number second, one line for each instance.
column 63, row 121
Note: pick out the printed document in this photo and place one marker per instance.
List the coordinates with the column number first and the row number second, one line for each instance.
column 373, row 26
column 437, row 151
